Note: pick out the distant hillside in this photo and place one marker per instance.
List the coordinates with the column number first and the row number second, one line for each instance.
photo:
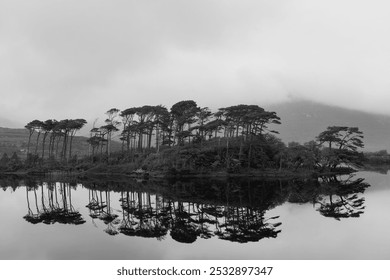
column 12, row 140
column 4, row 122
column 302, row 121
column 15, row 140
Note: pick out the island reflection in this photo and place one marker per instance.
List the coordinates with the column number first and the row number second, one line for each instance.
column 233, row 210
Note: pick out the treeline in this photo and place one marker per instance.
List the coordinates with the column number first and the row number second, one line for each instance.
column 52, row 147
column 189, row 138
column 377, row 158
column 53, row 133
column 155, row 126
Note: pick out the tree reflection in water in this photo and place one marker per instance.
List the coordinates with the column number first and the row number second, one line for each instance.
column 187, row 221
column 140, row 218
column 100, row 208
column 32, row 217
column 154, row 215
column 233, row 210
column 340, row 198
column 55, row 206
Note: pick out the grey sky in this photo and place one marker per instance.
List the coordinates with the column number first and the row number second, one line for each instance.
column 70, row 59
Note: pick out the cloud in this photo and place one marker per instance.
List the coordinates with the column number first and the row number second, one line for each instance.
column 63, row 59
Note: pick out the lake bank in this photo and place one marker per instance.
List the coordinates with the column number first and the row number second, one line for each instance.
column 122, row 171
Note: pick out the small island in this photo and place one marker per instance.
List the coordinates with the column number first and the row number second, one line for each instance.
column 185, row 141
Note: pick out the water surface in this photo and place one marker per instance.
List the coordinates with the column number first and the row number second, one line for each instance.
column 334, row 218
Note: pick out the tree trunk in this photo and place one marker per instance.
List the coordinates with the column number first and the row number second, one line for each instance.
column 108, row 144
column 280, row 163
column 150, row 138
column 57, row 144
column 157, row 139
column 70, row 145
column 249, row 155
column 43, row 145
column 128, row 142
column 29, row 141
column 64, row 146
column 227, row 154
column 36, row 147
column 140, row 140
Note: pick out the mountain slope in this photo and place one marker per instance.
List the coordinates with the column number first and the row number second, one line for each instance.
column 302, row 121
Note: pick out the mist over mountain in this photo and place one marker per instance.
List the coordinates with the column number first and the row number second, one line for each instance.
column 302, row 121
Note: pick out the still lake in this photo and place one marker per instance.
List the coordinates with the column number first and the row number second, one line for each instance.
column 341, row 217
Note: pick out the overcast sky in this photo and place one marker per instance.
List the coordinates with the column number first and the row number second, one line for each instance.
column 77, row 59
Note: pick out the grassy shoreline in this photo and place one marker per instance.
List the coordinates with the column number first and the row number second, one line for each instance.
column 115, row 171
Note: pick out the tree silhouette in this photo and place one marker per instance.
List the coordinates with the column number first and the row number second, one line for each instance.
column 111, row 126
column 74, row 125
column 342, row 143
column 47, row 127
column 127, row 116
column 31, row 128
column 184, row 113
